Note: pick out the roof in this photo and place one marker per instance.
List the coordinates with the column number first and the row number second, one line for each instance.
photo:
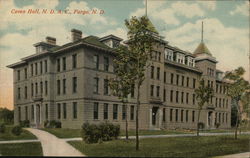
column 202, row 49
column 110, row 37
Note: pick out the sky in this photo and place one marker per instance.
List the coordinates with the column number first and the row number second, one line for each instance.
column 226, row 28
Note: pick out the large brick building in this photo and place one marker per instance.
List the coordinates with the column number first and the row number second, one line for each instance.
column 69, row 83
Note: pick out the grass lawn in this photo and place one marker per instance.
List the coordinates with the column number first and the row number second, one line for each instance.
column 167, row 147
column 64, row 132
column 9, row 136
column 157, row 132
column 21, row 149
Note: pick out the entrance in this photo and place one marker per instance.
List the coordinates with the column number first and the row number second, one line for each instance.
column 154, row 113
column 209, row 118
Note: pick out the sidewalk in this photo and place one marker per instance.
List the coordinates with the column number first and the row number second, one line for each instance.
column 53, row 146
column 240, row 155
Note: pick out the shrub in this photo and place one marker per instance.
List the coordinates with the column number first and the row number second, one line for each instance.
column 17, row 130
column 25, row 123
column 2, row 128
column 92, row 133
column 217, row 125
column 201, row 125
column 52, row 124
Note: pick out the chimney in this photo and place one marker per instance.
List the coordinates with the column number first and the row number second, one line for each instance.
column 51, row 40
column 76, row 35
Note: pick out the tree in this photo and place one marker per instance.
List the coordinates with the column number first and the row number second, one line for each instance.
column 6, row 115
column 140, row 35
column 236, row 89
column 122, row 84
column 203, row 94
column 244, row 109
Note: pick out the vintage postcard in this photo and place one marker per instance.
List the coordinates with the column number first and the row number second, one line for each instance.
column 124, row 78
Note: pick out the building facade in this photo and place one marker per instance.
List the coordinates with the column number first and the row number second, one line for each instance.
column 70, row 83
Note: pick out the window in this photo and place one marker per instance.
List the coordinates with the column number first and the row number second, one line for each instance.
column 171, row 115
column 46, row 87
column 187, row 81
column 59, row 111
column 223, row 105
column 133, row 90
column 64, row 110
column 187, row 97
column 19, row 113
column 124, row 112
column 58, row 87
column 105, row 111
column 172, row 78
column 182, row 80
column 165, row 77
column 132, row 109
column 26, row 112
column 96, row 84
column 25, row 73
column 64, row 86
column 159, row 57
column 74, row 84
column 115, row 111
column 25, row 92
column 41, row 67
column 164, row 95
column 158, row 73
column 18, row 75
column 182, row 111
column 194, row 82
column 152, row 90
column 36, row 88
column 177, row 97
column 186, row 115
column 177, row 79
column 96, row 61
column 169, row 54
column 216, row 102
column 36, row 68
column 219, row 102
column 32, row 89
column 46, row 66
column 193, row 115
column 32, row 112
column 58, row 65
column 106, row 64
column 152, row 72
column 96, row 110
column 158, row 91
column 19, row 93
column 41, row 87
column 106, row 86
column 193, row 99
column 182, row 97
column 74, row 110
column 164, row 115
column 31, row 66
column 74, row 61
column 217, row 87
column 64, row 63
column 171, row 96
column 46, row 111
column 176, row 115
column 180, row 58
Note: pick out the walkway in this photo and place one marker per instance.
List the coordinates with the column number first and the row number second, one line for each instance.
column 240, row 155
column 53, row 146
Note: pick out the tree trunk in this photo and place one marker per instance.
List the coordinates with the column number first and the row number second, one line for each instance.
column 237, row 120
column 137, row 117
column 126, row 106
column 198, row 122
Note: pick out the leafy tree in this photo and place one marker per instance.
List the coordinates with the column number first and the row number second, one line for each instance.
column 244, row 109
column 236, row 89
column 6, row 115
column 203, row 94
column 140, row 35
column 121, row 85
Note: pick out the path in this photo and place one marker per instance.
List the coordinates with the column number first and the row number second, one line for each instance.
column 240, row 155
column 53, row 146
column 18, row 141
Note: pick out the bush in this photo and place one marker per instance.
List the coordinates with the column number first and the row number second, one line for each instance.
column 52, row 124
column 2, row 128
column 25, row 123
column 17, row 130
column 217, row 125
column 92, row 133
column 201, row 125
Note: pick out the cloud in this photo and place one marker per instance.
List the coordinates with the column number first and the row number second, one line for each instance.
column 119, row 32
column 228, row 44
column 242, row 9
column 210, row 5
column 187, row 10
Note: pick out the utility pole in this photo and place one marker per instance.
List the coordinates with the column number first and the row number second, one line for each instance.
column 146, row 7
column 202, row 32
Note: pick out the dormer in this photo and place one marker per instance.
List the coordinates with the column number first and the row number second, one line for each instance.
column 44, row 46
column 111, row 41
column 190, row 61
column 180, row 57
column 169, row 54
column 219, row 75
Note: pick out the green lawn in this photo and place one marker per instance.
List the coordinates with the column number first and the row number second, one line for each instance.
column 64, row 132
column 21, row 149
column 167, row 147
column 157, row 132
column 9, row 136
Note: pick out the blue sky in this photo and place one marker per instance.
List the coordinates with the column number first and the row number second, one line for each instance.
column 226, row 27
